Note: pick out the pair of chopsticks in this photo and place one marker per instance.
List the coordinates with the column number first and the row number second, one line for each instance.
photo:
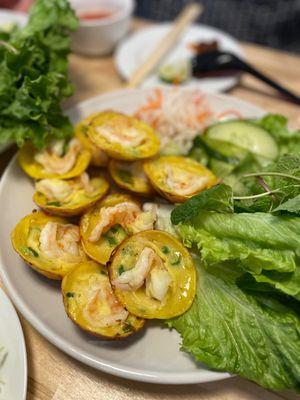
column 190, row 13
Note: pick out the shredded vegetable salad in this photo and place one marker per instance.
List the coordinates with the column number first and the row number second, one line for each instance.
column 177, row 117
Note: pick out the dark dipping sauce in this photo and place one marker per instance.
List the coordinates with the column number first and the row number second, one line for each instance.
column 97, row 14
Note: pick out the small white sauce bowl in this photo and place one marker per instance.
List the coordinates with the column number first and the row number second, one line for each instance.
column 96, row 37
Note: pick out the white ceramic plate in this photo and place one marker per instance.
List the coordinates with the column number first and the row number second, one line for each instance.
column 7, row 18
column 133, row 51
column 152, row 355
column 13, row 373
column 12, row 17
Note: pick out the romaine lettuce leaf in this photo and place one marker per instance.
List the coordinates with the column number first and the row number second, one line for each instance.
column 267, row 246
column 256, row 337
column 288, row 283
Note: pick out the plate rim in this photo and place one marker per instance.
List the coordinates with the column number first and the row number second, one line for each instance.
column 20, row 334
column 112, row 368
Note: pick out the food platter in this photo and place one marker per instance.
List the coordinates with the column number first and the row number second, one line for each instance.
column 152, row 355
column 13, row 371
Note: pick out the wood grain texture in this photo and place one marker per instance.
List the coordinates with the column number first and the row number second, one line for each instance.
column 52, row 374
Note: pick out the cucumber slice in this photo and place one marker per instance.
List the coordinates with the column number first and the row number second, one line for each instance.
column 175, row 73
column 220, row 149
column 245, row 135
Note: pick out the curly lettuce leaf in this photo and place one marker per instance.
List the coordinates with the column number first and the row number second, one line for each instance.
column 256, row 337
column 34, row 76
column 277, row 125
column 288, row 141
column 46, row 15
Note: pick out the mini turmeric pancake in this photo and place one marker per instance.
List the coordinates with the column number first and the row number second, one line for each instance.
column 91, row 304
column 153, row 275
column 99, row 157
column 105, row 225
column 130, row 176
column 54, row 161
column 178, row 178
column 50, row 245
column 69, row 197
column 123, row 137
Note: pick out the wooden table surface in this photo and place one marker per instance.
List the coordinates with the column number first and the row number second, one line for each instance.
column 54, row 375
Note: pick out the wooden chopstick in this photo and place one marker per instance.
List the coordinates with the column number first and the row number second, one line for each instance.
column 186, row 17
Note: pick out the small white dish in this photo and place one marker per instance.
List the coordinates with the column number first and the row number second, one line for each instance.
column 8, row 17
column 131, row 53
column 99, row 36
column 13, row 373
column 152, row 355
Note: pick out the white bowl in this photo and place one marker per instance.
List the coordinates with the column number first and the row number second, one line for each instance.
column 97, row 37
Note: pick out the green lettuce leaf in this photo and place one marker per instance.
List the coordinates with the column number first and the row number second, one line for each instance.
column 277, row 125
column 34, row 76
column 267, row 246
column 228, row 329
column 249, row 284
column 288, row 283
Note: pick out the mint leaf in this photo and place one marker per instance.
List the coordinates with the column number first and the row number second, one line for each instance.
column 216, row 198
column 281, row 177
column 291, row 205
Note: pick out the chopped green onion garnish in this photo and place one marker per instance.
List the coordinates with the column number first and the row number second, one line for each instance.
column 127, row 327
column 125, row 176
column 165, row 249
column 30, row 251
column 176, row 259
column 84, row 129
column 114, row 229
column 121, row 269
column 54, row 203
column 112, row 241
